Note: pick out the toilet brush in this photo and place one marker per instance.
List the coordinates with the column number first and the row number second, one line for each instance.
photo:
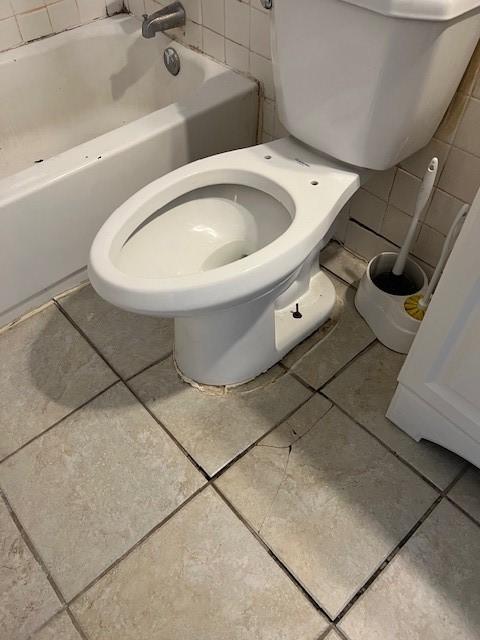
column 416, row 305
column 395, row 281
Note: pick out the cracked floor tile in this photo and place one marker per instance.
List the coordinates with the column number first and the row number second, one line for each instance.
column 216, row 428
column 331, row 504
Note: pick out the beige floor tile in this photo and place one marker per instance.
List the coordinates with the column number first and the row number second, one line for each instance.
column 129, row 342
column 430, row 590
column 332, row 635
column 332, row 505
column 26, row 598
column 342, row 263
column 90, row 488
column 466, row 492
column 47, row 369
column 215, row 429
column 200, row 576
column 349, row 336
column 58, row 628
column 364, row 390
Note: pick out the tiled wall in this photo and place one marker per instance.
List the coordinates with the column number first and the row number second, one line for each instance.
column 237, row 32
column 25, row 20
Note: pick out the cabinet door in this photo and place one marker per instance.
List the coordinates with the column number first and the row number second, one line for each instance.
column 438, row 397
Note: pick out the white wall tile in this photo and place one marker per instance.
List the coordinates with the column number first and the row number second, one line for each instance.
column 449, row 125
column 260, row 33
column 366, row 243
column 114, row 7
column 442, row 211
column 404, row 191
column 237, row 56
column 461, row 176
column 341, row 223
column 468, row 133
column 137, row 7
column 91, row 10
column 22, row 6
column 6, row 10
column 367, row 209
column 214, row 44
column 9, row 34
column 261, row 68
column 428, row 245
column 268, row 113
column 213, row 15
column 237, row 22
column 417, row 163
column 395, row 225
column 193, row 9
column 381, row 183
column 35, row 24
column 193, row 35
column 64, row 14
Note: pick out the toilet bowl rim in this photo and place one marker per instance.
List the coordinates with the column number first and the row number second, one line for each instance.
column 272, row 263
column 238, row 280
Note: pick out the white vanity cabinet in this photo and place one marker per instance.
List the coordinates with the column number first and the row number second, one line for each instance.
column 438, row 395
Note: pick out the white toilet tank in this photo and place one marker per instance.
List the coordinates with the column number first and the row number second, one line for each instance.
column 368, row 81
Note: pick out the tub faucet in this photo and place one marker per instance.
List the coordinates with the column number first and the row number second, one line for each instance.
column 173, row 15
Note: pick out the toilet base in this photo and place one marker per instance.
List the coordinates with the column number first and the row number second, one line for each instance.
column 234, row 345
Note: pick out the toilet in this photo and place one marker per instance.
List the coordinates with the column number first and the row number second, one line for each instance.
column 229, row 245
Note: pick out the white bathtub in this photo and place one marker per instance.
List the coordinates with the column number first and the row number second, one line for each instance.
column 88, row 117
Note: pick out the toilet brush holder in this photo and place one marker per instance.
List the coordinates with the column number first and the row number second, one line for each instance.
column 385, row 312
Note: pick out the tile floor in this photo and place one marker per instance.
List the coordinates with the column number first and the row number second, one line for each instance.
column 136, row 507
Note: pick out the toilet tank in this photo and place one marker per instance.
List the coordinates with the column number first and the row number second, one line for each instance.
column 368, row 81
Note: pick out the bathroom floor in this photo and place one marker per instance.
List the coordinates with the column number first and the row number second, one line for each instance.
column 136, row 507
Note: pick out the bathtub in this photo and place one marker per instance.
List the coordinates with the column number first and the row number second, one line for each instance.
column 88, row 117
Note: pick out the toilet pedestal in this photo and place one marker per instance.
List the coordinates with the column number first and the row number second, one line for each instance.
column 234, row 345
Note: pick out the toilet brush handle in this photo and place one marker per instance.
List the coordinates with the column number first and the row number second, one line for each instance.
column 422, row 199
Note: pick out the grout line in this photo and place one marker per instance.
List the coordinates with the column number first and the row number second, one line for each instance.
column 341, row 633
column 152, row 364
column 272, row 554
column 251, row 446
column 388, row 560
column 33, row 550
column 137, row 544
column 58, row 613
column 462, row 510
column 76, row 624
column 382, row 443
column 400, row 545
column 55, row 424
column 301, row 380
column 350, row 362
column 196, row 464
column 324, row 635
column 133, row 392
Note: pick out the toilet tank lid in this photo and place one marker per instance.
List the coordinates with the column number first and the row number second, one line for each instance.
column 419, row 9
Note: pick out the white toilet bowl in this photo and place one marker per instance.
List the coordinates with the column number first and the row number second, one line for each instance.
column 228, row 246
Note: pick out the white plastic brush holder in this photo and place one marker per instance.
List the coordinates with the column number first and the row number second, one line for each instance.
column 384, row 312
